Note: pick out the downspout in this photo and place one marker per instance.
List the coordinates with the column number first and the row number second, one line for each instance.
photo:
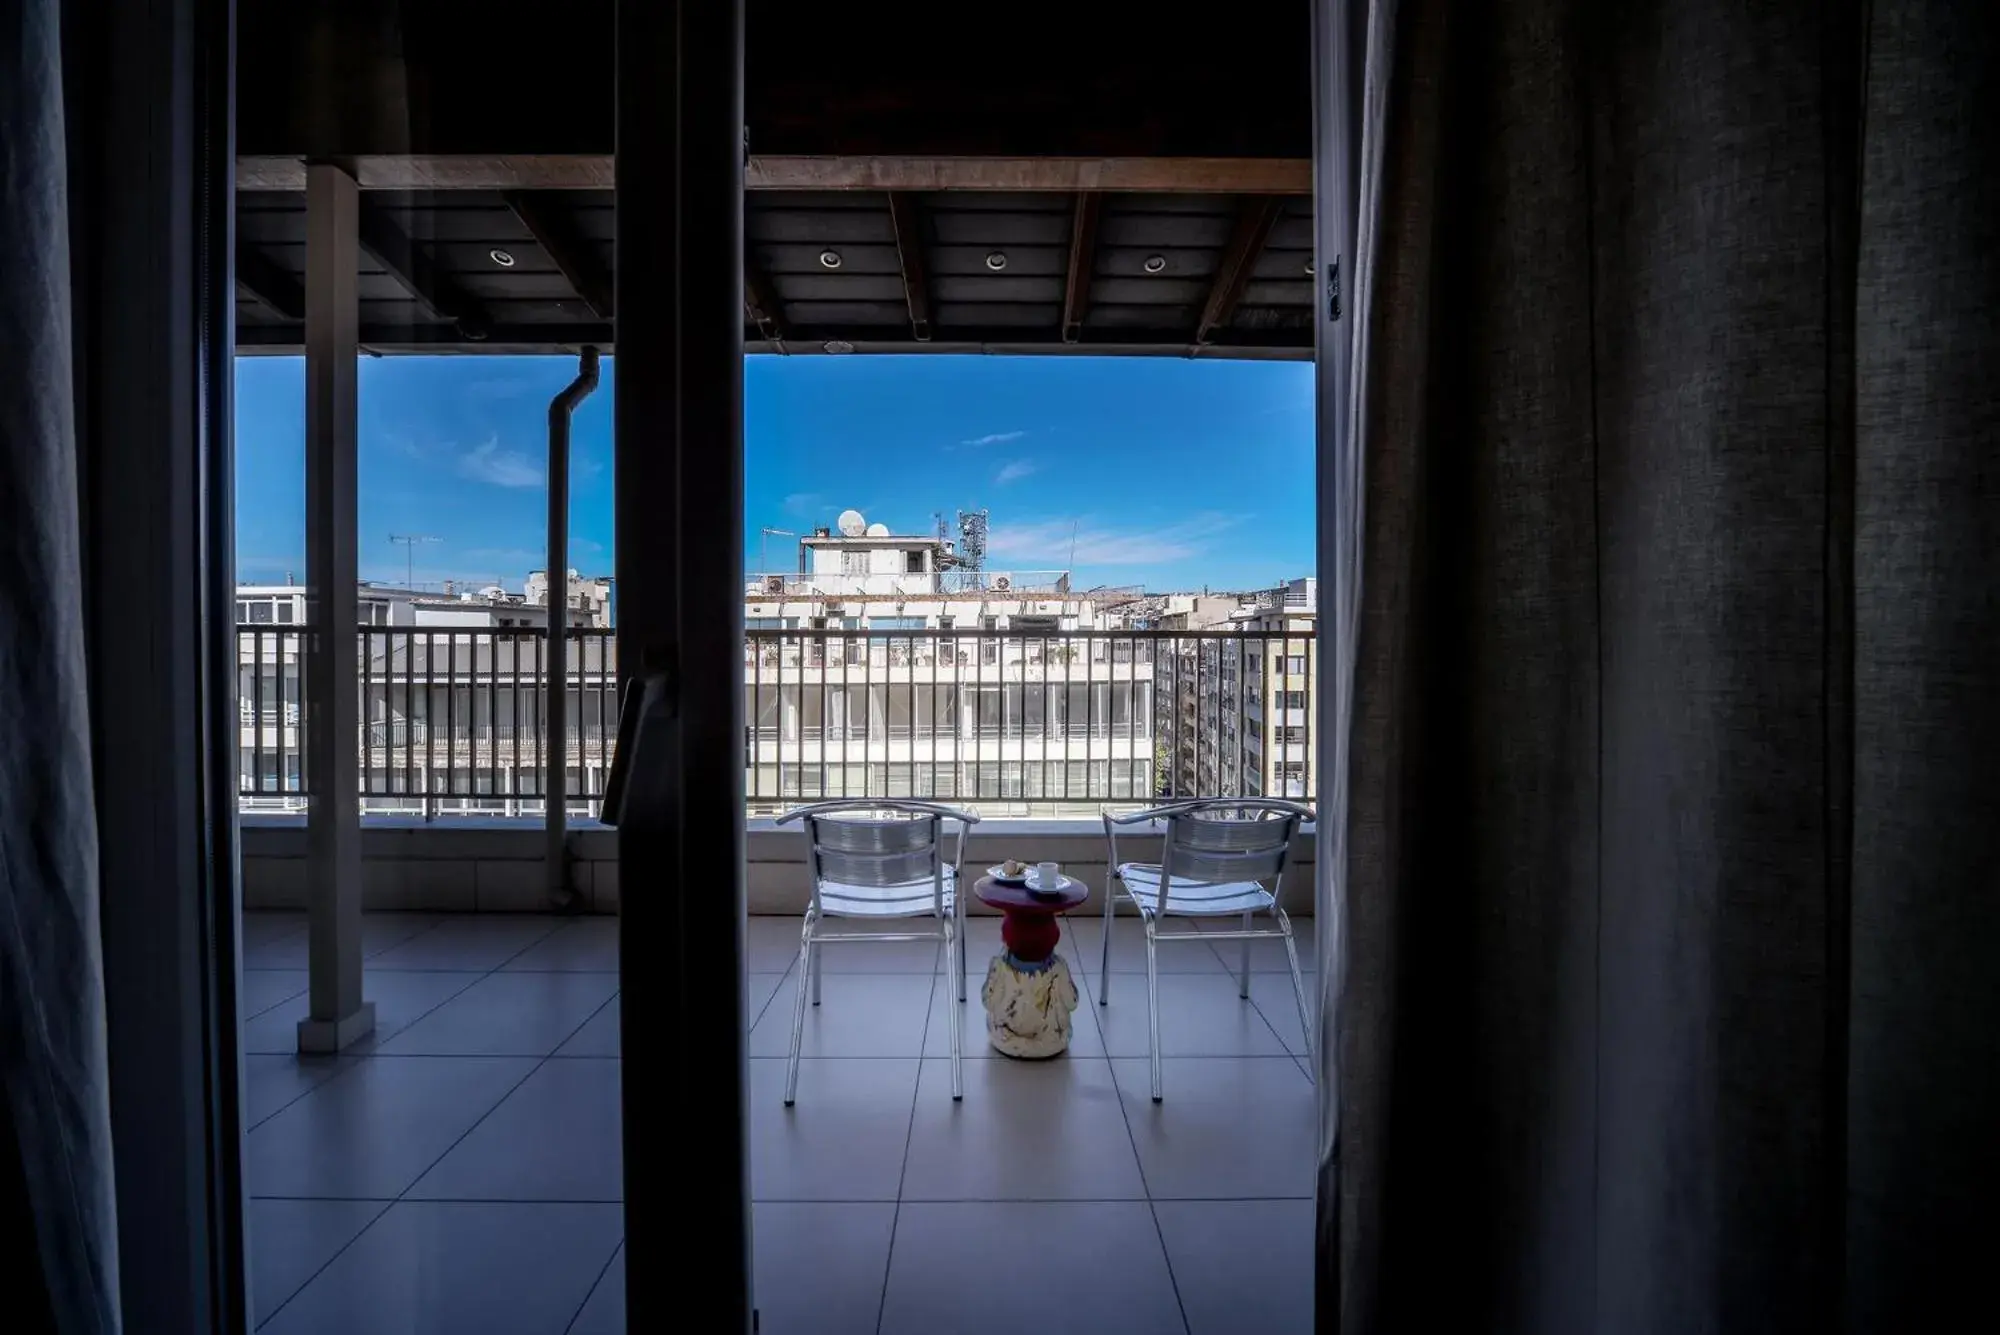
column 555, row 707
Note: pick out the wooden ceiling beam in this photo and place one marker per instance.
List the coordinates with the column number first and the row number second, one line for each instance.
column 760, row 300
column 407, row 263
column 1082, row 262
column 910, row 255
column 1253, row 227
column 873, row 172
column 283, row 294
column 543, row 214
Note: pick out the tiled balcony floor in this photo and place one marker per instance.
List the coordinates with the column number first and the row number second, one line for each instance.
column 461, row 1171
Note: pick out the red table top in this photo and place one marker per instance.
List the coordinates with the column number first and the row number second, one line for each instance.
column 1021, row 900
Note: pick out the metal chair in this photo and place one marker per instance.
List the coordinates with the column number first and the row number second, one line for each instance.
column 880, row 859
column 1218, row 855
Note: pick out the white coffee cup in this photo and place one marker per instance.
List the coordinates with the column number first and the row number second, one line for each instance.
column 1048, row 876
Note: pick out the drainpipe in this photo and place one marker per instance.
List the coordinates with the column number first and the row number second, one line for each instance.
column 555, row 771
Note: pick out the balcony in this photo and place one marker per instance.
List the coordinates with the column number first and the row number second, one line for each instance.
column 461, row 1169
column 1019, row 723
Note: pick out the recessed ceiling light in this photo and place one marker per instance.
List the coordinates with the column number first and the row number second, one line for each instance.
column 837, row 345
column 996, row 260
column 1155, row 264
column 504, row 259
column 829, row 259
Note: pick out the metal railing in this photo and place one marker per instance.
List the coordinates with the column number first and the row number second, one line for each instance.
column 451, row 719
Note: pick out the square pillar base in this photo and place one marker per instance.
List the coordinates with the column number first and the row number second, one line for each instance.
column 322, row 1036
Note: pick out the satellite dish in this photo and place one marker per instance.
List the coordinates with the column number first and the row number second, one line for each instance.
column 878, row 530
column 851, row 524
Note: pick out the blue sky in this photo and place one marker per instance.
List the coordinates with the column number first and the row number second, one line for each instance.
column 1165, row 472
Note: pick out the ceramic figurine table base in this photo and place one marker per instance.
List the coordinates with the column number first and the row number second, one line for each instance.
column 1029, row 993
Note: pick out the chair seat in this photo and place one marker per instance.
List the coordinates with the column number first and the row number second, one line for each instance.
column 1191, row 899
column 911, row 900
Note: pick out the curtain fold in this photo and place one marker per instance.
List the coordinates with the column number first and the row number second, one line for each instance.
column 1672, row 822
column 62, row 1271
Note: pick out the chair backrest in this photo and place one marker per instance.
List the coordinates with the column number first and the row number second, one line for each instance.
column 874, row 845
column 1227, row 840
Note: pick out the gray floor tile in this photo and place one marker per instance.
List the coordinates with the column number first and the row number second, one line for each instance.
column 585, row 945
column 469, row 941
column 820, row 1266
column 507, row 1015
column 598, row 1037
column 1201, row 1015
column 288, row 1242
column 445, row 1266
column 1084, row 1040
column 265, row 988
column 271, row 1082
column 880, row 956
column 860, row 1015
column 380, row 932
column 604, row 1313
column 1228, row 1127
column 262, row 926
column 842, row 1141
column 1241, row 1265
column 1050, row 1130
column 1266, row 956
column 556, row 1138
column 1085, row 936
column 770, row 943
column 1279, row 1005
column 1090, row 1267
column 376, row 1128
column 400, row 1000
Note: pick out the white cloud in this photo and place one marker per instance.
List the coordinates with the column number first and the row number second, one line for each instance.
column 1014, row 470
column 1049, row 542
column 997, row 438
column 502, row 468
column 804, row 504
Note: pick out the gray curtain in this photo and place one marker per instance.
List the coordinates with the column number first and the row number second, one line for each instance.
column 1667, row 993
column 56, row 1204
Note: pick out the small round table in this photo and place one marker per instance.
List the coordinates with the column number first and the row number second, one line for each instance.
column 1029, row 993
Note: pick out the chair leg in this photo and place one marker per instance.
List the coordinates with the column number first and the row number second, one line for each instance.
column 1104, row 962
column 1299, row 990
column 1153, row 1007
column 961, row 948
column 798, row 1017
column 953, row 964
column 1243, row 974
column 816, row 964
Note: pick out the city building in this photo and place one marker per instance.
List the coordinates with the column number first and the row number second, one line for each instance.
column 897, row 665
column 1243, row 715
column 451, row 698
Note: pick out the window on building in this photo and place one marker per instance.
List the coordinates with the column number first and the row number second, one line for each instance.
column 1292, row 700
column 913, row 563
column 260, row 612
column 285, row 610
column 854, row 563
column 1297, row 665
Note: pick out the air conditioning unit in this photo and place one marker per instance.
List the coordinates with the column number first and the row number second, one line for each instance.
column 774, row 584
column 1002, row 583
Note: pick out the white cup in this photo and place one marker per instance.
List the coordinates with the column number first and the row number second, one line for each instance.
column 1048, row 876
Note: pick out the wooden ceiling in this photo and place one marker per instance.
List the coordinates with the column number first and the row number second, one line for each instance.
column 1056, row 184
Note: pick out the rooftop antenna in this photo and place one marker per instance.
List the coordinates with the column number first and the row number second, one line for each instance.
column 410, row 541
column 972, row 539
column 764, row 537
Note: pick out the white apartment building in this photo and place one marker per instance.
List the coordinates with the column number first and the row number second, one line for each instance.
column 451, row 696
column 1005, row 689
column 1244, row 719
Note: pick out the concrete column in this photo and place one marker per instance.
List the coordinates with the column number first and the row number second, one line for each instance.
column 337, row 1016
